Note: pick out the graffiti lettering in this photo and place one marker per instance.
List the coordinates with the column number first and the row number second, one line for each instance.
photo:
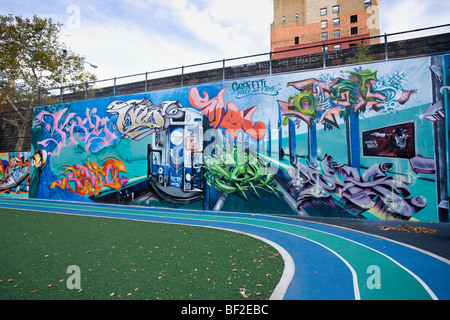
column 72, row 128
column 92, row 178
column 139, row 118
column 325, row 101
column 227, row 116
column 373, row 190
column 248, row 88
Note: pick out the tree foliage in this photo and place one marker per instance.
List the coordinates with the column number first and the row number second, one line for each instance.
column 361, row 54
column 30, row 59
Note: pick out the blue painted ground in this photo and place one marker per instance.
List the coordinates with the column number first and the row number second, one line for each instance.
column 330, row 262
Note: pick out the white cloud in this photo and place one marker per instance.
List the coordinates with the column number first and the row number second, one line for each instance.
column 397, row 16
column 138, row 36
column 134, row 36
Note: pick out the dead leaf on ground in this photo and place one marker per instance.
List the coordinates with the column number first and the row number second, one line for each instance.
column 405, row 227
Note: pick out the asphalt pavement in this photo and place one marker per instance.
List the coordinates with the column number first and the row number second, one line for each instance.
column 437, row 241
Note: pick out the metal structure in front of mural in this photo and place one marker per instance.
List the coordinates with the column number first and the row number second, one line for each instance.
column 365, row 141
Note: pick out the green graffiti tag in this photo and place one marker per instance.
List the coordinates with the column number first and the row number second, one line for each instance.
column 237, row 171
column 324, row 102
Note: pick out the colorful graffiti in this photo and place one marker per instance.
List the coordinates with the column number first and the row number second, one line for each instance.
column 66, row 130
column 227, row 115
column 92, row 178
column 325, row 100
column 373, row 190
column 139, row 118
column 239, row 171
column 14, row 173
column 349, row 142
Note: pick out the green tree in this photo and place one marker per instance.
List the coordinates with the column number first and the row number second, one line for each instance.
column 30, row 59
column 361, row 54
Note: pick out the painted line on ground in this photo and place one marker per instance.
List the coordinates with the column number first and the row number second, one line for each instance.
column 245, row 218
column 231, row 226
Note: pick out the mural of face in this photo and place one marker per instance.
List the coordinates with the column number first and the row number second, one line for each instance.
column 139, row 118
column 39, row 158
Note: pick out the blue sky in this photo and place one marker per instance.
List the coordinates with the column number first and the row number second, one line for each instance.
column 134, row 36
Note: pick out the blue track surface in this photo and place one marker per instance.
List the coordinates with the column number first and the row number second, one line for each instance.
column 330, row 262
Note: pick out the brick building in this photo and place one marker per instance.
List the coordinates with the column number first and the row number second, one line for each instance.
column 306, row 23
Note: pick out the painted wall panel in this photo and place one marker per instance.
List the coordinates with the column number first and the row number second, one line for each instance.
column 289, row 144
column 14, row 174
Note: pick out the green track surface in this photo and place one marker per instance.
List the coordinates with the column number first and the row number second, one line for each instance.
column 124, row 259
column 398, row 283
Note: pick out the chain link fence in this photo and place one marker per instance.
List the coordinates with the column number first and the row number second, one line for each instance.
column 426, row 41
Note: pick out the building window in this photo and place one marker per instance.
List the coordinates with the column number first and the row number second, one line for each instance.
column 354, row 18
column 337, row 47
column 324, row 35
column 336, row 21
column 323, row 11
column 323, row 23
column 337, row 33
column 335, row 9
column 284, row 19
column 296, row 16
column 367, row 3
column 354, row 30
column 297, row 40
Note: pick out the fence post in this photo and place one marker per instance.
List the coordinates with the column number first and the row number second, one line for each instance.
column 324, row 60
column 223, row 70
column 270, row 63
column 114, row 89
column 182, row 74
column 38, row 98
column 60, row 94
column 146, row 79
column 86, row 91
column 386, row 55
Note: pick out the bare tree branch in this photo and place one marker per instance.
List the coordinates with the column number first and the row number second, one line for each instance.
column 14, row 107
column 15, row 124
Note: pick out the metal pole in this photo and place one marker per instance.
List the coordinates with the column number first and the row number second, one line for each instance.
column 386, row 56
column 39, row 97
column 182, row 73
column 86, row 91
column 323, row 56
column 114, row 89
column 62, row 72
column 146, row 73
column 270, row 63
column 223, row 70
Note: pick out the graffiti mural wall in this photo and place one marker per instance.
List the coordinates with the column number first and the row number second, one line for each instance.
column 363, row 141
column 14, row 174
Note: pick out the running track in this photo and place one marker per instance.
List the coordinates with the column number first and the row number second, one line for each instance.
column 323, row 262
